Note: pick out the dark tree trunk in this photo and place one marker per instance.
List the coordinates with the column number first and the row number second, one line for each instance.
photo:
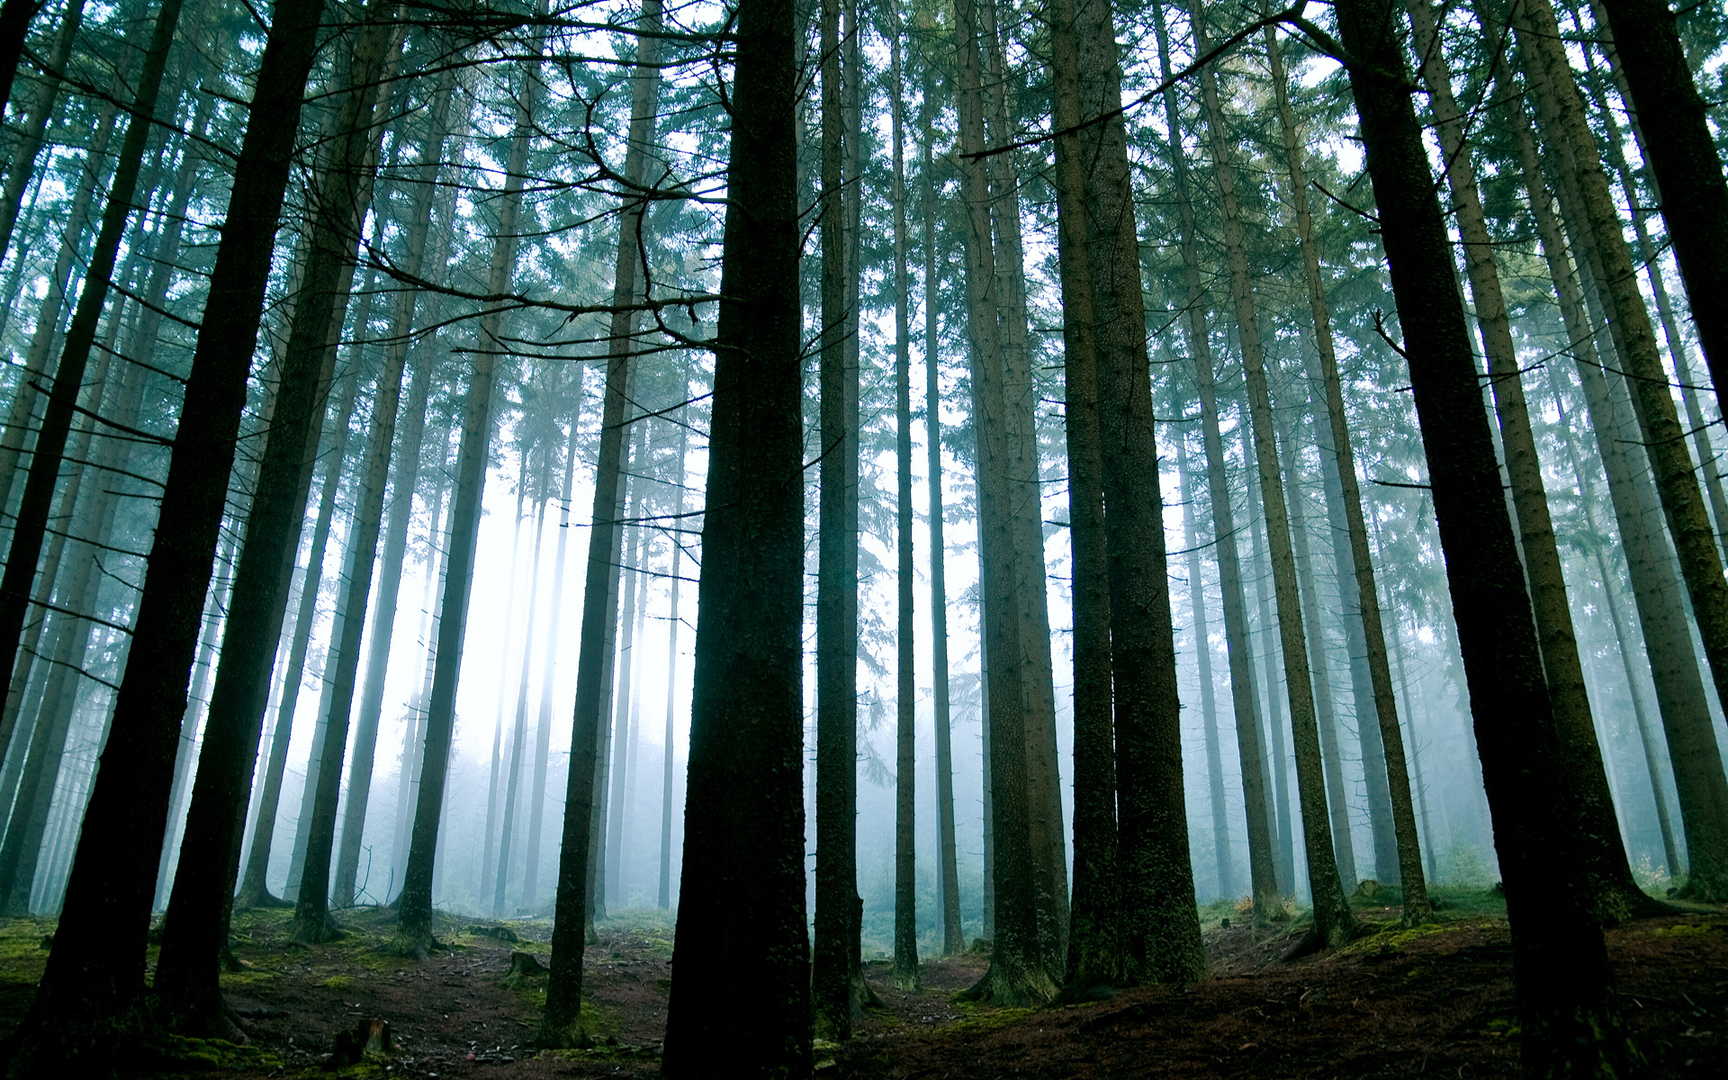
column 95, row 973
column 740, row 956
column 31, row 525
column 947, row 857
column 414, row 905
column 23, row 164
column 579, row 850
column 402, row 488
column 906, row 686
column 1570, row 1023
column 195, row 928
column 1684, row 161
column 836, row 981
column 1244, row 701
column 15, row 16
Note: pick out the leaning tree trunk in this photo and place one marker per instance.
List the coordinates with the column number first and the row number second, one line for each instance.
column 94, row 975
column 30, row 527
column 1612, row 889
column 402, row 487
column 195, row 929
column 1700, row 785
column 740, row 951
column 23, row 164
column 1570, row 1022
column 1609, row 264
column 1684, row 161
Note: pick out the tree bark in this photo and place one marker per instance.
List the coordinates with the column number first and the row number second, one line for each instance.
column 30, row 526
column 947, row 858
column 579, row 850
column 1333, row 922
column 95, row 972
column 1238, row 648
column 740, row 954
column 414, row 905
column 1683, row 159
column 1570, row 1023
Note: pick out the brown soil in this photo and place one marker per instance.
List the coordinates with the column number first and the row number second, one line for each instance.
column 1436, row 1001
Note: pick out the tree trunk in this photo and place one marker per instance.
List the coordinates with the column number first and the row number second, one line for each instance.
column 195, row 928
column 743, row 977
column 94, row 975
column 1699, row 781
column 836, row 981
column 1020, row 970
column 947, row 858
column 1238, row 647
column 549, row 682
column 1333, row 922
column 664, row 896
column 1561, row 112
column 1613, row 891
column 906, row 660
column 414, row 906
column 402, row 487
column 30, row 527
column 1222, row 855
column 1683, row 160
column 23, row 165
column 1570, row 1023
column 579, row 850
column 15, row 17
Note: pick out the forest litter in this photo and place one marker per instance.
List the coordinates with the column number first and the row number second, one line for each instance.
column 1434, row 1000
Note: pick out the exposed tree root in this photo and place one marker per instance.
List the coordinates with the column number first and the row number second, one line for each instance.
column 1011, row 985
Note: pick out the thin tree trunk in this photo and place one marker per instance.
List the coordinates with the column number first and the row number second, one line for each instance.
column 1610, row 877
column 906, row 686
column 1333, row 922
column 414, row 906
column 666, row 779
column 579, row 850
column 30, row 527
column 1222, row 857
column 543, row 730
column 22, row 168
column 947, row 856
column 402, row 486
column 1609, row 263
column 1684, row 162
column 1263, row 879
column 1699, row 782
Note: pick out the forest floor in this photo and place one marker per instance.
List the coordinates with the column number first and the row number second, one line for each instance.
column 1432, row 1001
